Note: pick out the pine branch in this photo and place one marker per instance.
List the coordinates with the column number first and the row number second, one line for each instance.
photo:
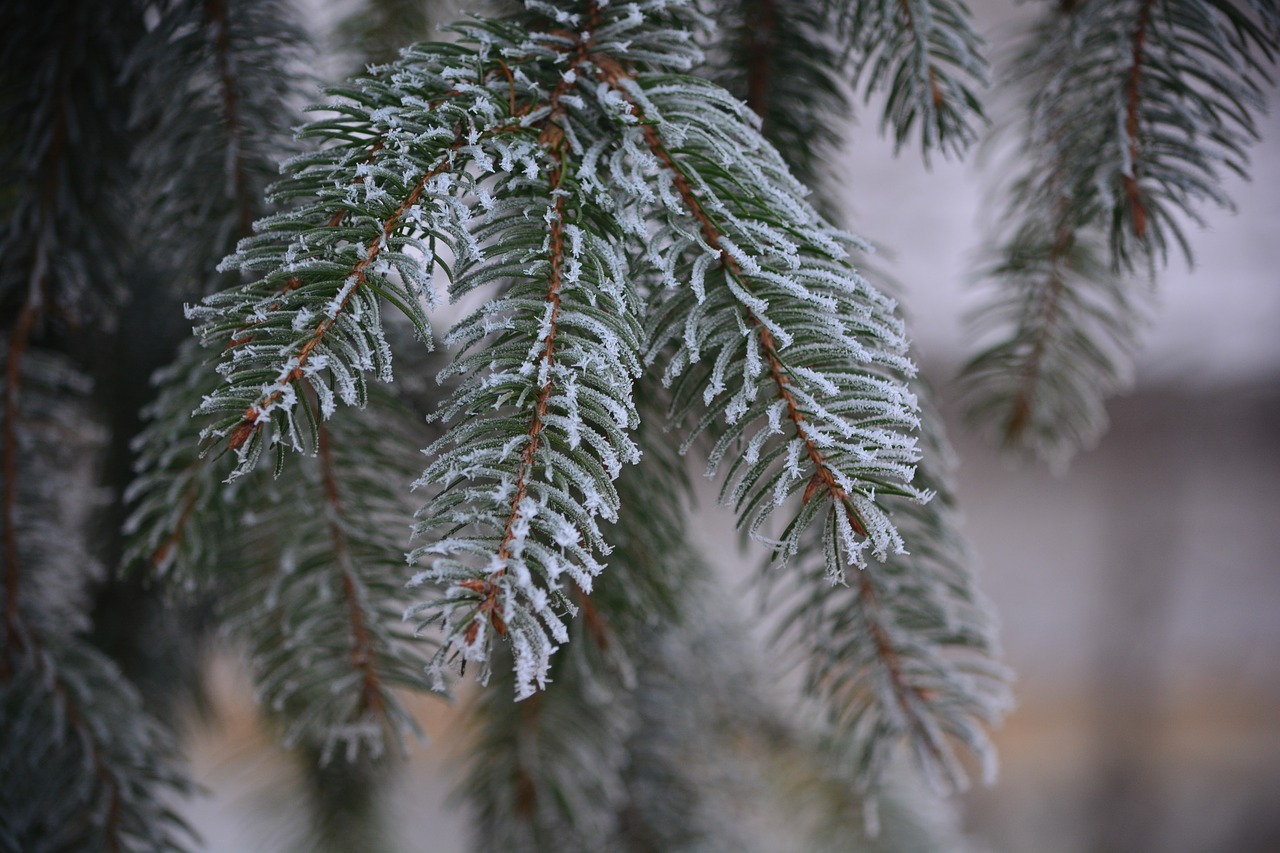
column 323, row 616
column 906, row 652
column 216, row 84
column 1148, row 122
column 52, row 234
column 1124, row 136
column 63, row 165
column 920, row 715
column 781, row 60
column 568, row 362
column 46, row 428
column 927, row 57
column 214, row 78
column 1042, row 389
column 82, row 765
column 315, row 589
column 847, row 449
column 804, row 360
column 848, row 663
column 561, row 770
column 317, row 312
column 183, row 518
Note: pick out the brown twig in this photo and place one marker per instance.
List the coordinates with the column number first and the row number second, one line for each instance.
column 217, row 13
column 887, row 653
column 1132, row 192
column 362, row 651
column 759, row 45
column 1022, row 408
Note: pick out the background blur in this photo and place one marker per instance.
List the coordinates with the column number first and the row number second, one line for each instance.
column 1139, row 590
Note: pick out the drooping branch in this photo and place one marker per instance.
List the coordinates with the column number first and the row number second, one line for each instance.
column 36, row 301
column 75, row 721
column 908, row 697
column 1051, row 296
column 612, row 73
column 552, row 139
column 255, row 414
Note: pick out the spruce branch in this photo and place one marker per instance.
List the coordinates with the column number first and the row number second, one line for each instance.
column 781, row 60
column 563, row 770
column 566, row 353
column 183, row 518
column 216, row 82
column 1134, row 112
column 82, row 765
column 1043, row 388
column 322, row 617
column 319, row 594
column 848, row 663
column 622, row 212
column 847, row 449
column 926, row 57
column 369, row 235
column 873, row 649
column 1146, row 104
column 55, row 233
column 62, row 167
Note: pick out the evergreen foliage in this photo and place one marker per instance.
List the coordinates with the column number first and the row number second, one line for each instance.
column 1134, row 113
column 605, row 204
column 647, row 277
column 82, row 764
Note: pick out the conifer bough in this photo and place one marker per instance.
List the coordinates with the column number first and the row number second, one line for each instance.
column 618, row 217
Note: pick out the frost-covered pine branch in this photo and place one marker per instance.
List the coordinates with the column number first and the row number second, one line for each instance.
column 849, row 658
column 1135, row 114
column 837, row 513
column 570, row 768
column 304, row 568
column 624, row 214
column 904, row 650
